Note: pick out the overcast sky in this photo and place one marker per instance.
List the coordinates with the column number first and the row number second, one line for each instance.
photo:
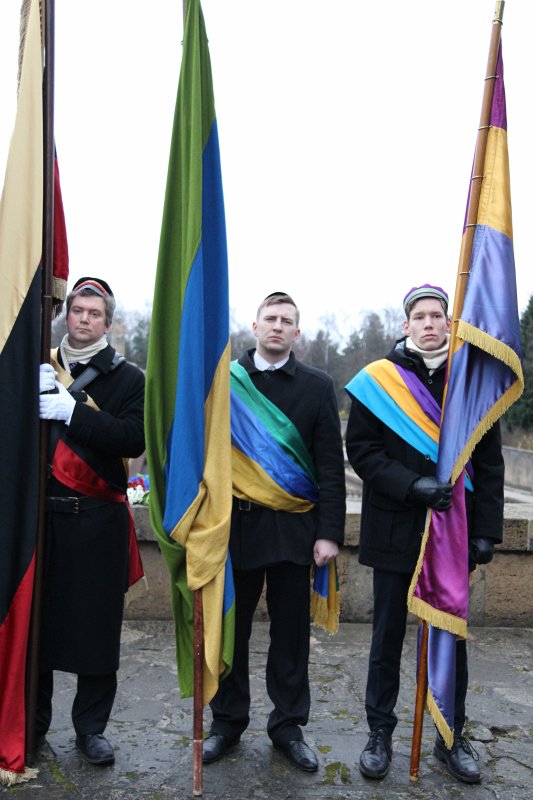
column 347, row 132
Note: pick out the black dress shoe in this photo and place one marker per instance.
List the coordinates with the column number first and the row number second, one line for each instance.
column 42, row 747
column 374, row 761
column 216, row 745
column 461, row 760
column 299, row 753
column 95, row 748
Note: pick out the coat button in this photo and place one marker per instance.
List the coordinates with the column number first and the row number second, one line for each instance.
column 426, row 457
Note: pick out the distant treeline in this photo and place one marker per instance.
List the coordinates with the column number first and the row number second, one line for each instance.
column 340, row 358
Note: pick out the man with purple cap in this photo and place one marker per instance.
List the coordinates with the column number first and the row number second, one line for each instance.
column 387, row 447
column 95, row 400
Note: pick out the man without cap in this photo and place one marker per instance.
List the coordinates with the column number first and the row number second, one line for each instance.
column 399, row 485
column 98, row 421
column 279, row 546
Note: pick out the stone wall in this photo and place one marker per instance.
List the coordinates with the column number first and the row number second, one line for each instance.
column 500, row 591
column 518, row 468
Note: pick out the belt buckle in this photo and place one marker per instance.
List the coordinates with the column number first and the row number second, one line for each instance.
column 76, row 508
column 245, row 505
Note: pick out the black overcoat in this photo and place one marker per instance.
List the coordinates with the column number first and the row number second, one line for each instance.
column 86, row 554
column 262, row 537
column 391, row 526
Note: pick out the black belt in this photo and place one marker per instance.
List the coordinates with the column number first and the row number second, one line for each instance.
column 73, row 505
column 247, row 505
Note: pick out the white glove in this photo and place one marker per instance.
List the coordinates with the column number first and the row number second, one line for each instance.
column 47, row 378
column 57, row 406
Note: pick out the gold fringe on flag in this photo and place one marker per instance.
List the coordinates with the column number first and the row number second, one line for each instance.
column 10, row 778
column 325, row 611
column 439, row 619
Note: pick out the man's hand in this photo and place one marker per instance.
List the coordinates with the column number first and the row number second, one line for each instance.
column 58, row 406
column 429, row 492
column 480, row 551
column 324, row 551
column 47, row 378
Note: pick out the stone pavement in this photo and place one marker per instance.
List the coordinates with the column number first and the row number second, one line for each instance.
column 151, row 728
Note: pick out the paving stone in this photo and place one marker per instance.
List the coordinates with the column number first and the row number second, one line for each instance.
column 151, row 727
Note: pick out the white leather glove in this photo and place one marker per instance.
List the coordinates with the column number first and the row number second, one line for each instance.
column 57, row 406
column 47, row 378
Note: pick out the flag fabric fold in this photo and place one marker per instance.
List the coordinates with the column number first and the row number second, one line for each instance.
column 187, row 410
column 484, row 379
column 21, row 212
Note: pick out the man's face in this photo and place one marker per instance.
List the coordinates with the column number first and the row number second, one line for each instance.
column 276, row 330
column 86, row 321
column 427, row 324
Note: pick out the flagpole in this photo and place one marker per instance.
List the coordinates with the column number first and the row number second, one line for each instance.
column 198, row 713
column 463, row 273
column 198, row 666
column 32, row 673
column 476, row 180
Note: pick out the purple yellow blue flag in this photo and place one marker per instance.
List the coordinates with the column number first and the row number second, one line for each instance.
column 187, row 413
column 484, row 379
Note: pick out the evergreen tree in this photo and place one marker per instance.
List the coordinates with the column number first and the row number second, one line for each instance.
column 521, row 413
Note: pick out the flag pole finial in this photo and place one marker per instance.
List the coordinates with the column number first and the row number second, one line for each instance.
column 498, row 11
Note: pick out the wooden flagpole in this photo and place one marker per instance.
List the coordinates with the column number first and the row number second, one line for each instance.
column 32, row 668
column 463, row 273
column 198, row 711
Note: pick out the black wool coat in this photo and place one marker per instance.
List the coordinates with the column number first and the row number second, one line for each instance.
column 392, row 526
column 262, row 537
column 86, row 554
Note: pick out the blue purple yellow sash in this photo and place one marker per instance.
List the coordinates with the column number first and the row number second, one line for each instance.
column 401, row 401
column 272, row 466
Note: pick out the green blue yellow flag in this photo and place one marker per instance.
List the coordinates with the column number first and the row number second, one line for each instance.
column 187, row 384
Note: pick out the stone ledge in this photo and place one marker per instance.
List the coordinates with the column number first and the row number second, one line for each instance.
column 500, row 592
column 517, row 536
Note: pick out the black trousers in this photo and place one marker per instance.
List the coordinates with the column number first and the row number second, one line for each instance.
column 388, row 633
column 92, row 704
column 287, row 680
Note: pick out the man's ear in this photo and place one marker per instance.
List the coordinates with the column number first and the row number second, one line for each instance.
column 406, row 326
column 254, row 328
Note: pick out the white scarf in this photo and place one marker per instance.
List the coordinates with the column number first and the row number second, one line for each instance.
column 431, row 358
column 71, row 355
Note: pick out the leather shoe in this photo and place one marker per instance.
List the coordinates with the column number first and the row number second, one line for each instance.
column 460, row 760
column 299, row 753
column 374, row 761
column 95, row 748
column 216, row 745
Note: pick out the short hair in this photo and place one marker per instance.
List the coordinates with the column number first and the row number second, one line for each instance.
column 279, row 297
column 109, row 302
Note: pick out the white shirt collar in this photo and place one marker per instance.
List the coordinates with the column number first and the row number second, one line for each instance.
column 262, row 364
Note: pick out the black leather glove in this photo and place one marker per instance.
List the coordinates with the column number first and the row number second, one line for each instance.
column 480, row 551
column 429, row 492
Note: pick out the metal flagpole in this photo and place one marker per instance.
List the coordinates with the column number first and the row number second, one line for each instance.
column 463, row 272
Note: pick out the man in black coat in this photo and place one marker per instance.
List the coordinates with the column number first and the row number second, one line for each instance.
column 399, row 485
column 280, row 546
column 89, row 542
